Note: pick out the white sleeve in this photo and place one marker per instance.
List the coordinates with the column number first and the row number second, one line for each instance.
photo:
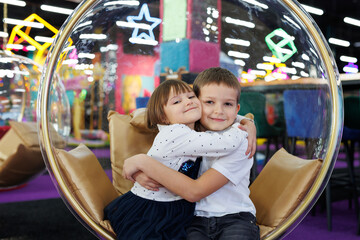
column 183, row 141
column 236, row 165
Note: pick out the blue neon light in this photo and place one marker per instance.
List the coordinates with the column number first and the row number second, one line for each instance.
column 144, row 13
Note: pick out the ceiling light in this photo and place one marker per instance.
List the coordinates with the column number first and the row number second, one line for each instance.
column 339, row 42
column 86, row 55
column 350, row 69
column 239, row 22
column 256, row 3
column 30, row 48
column 143, row 41
column 44, row 39
column 289, row 70
column 271, row 59
column 237, row 42
column 348, row 59
column 298, row 64
column 133, row 25
column 56, row 9
column 130, row 3
column 352, row 21
column 23, row 23
column 93, row 36
column 15, row 46
column 292, row 21
column 14, row 2
column 313, row 10
column 305, row 57
column 265, row 66
column 239, row 62
column 4, row 34
column 83, row 24
column 238, row 54
column 258, row 72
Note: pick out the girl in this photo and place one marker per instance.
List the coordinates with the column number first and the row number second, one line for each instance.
column 143, row 214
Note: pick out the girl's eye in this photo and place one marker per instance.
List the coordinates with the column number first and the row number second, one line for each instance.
column 176, row 102
column 191, row 97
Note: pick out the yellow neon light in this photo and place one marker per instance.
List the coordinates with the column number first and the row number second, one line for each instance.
column 24, row 36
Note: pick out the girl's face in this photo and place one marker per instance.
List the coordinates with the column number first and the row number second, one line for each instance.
column 183, row 108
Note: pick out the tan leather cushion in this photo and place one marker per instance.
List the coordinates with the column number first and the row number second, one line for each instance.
column 128, row 136
column 9, row 144
column 20, row 166
column 280, row 187
column 27, row 131
column 87, row 181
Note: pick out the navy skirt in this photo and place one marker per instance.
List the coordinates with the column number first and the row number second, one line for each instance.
column 135, row 218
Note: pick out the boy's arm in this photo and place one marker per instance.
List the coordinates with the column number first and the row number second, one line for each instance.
column 178, row 183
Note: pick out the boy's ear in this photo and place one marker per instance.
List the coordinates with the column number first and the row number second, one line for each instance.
column 238, row 107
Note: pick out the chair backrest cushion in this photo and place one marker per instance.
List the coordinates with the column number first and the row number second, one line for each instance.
column 128, row 136
column 20, row 166
column 280, row 187
column 86, row 180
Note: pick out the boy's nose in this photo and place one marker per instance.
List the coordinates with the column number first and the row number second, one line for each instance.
column 218, row 109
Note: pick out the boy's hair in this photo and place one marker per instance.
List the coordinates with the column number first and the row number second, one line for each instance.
column 155, row 113
column 216, row 75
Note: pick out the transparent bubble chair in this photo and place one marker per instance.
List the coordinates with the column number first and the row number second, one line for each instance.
column 111, row 55
column 20, row 155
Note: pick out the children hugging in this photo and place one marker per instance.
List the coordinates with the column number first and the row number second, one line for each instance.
column 176, row 195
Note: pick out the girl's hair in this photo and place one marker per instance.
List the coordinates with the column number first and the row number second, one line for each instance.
column 155, row 113
column 216, row 75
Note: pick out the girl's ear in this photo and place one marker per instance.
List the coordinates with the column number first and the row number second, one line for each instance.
column 164, row 120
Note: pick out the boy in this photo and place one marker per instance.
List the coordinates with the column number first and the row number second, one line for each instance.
column 223, row 209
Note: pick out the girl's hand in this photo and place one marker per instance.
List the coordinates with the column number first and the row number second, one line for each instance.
column 130, row 167
column 250, row 128
column 146, row 182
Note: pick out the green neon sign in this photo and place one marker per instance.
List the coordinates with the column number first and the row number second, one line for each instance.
column 284, row 49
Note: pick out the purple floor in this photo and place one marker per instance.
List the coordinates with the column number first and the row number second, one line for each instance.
column 312, row 227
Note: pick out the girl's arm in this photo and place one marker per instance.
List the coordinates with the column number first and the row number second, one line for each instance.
column 180, row 140
column 178, row 183
column 247, row 124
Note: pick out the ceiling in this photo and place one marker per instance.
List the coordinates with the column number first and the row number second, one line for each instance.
column 330, row 23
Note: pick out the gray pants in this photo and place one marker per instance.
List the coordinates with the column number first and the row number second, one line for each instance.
column 237, row 226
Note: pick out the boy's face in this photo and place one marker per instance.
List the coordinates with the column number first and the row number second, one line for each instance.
column 219, row 106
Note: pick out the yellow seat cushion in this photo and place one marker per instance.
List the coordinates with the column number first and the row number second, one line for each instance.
column 22, row 165
column 87, row 181
column 280, row 187
column 129, row 136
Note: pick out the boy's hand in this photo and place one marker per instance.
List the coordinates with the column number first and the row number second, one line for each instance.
column 146, row 182
column 250, row 128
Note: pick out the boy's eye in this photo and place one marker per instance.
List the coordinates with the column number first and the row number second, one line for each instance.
column 209, row 102
column 228, row 104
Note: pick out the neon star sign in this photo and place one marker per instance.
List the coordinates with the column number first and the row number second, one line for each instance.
column 145, row 37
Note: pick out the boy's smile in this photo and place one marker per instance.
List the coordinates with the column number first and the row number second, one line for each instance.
column 219, row 106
